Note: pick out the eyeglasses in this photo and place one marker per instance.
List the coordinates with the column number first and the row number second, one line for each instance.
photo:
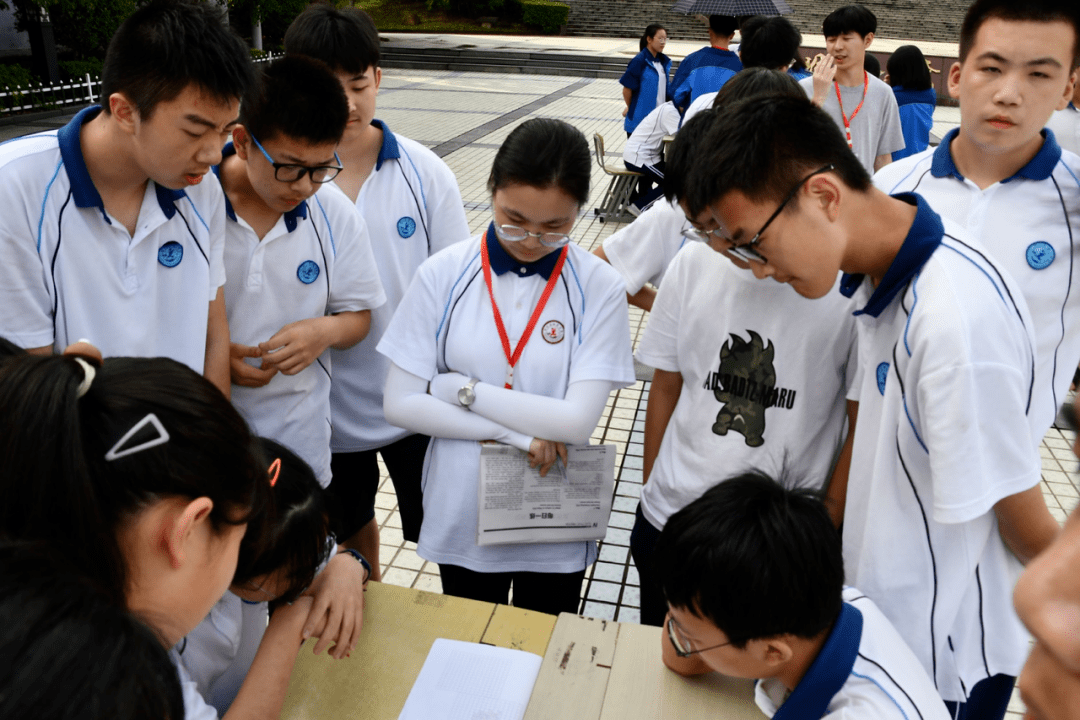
column 692, row 233
column 287, row 173
column 512, row 233
column 745, row 251
column 681, row 644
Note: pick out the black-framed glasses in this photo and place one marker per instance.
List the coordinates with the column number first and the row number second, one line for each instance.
column 289, row 173
column 512, row 233
column 746, row 251
column 682, row 645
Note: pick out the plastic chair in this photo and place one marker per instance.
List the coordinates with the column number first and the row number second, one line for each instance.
column 617, row 198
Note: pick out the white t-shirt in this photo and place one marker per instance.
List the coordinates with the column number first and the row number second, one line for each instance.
column 863, row 671
column 703, row 102
column 1065, row 124
column 315, row 261
column 1031, row 226
column 875, row 129
column 764, row 379
column 661, row 85
column 642, row 250
column 944, row 433
column 413, row 209
column 445, row 323
column 68, row 270
column 644, row 146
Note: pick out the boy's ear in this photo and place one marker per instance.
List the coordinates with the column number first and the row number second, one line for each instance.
column 241, row 141
column 826, row 191
column 953, row 83
column 179, row 528
column 378, row 78
column 773, row 651
column 867, row 39
column 124, row 110
column 1070, row 88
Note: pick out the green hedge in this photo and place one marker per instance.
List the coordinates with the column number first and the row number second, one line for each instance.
column 78, row 69
column 12, row 75
column 547, row 15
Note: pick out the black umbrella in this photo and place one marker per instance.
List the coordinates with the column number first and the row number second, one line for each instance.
column 732, row 7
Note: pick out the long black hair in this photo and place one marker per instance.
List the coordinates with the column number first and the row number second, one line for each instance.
column 544, row 152
column 649, row 34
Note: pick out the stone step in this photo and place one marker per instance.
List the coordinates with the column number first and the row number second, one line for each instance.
column 505, row 61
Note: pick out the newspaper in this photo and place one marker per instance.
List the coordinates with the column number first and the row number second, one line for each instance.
column 572, row 503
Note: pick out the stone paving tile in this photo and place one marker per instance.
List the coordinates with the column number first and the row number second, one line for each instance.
column 434, row 107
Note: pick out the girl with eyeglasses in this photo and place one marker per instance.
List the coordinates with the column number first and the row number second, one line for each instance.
column 516, row 335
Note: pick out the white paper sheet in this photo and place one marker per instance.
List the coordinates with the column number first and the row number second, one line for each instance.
column 569, row 505
column 469, row 681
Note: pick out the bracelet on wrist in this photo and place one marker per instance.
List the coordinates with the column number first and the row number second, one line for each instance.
column 362, row 560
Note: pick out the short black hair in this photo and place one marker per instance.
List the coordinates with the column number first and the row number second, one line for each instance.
column 755, row 558
column 297, row 526
column 1030, row 11
column 907, row 68
column 167, row 45
column 296, row 97
column 872, row 65
column 763, row 147
column 747, row 83
column 770, row 43
column 850, row 18
column 544, row 152
column 344, row 39
column 723, row 25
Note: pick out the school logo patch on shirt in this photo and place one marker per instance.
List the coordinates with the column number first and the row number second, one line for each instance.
column 308, row 272
column 406, row 226
column 553, row 331
column 882, row 376
column 170, row 254
column 1040, row 254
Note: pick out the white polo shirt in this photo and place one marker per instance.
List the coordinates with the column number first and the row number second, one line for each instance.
column 645, row 144
column 445, row 323
column 864, row 670
column 945, row 431
column 315, row 261
column 1030, row 223
column 68, row 270
column 642, row 250
column 413, row 209
column 765, row 378
column 702, row 103
column 1065, row 124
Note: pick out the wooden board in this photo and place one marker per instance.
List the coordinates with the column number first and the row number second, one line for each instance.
column 400, row 624
column 519, row 629
column 574, row 676
column 642, row 688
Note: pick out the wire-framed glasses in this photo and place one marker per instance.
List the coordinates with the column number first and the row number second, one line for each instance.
column 683, row 647
column 512, row 233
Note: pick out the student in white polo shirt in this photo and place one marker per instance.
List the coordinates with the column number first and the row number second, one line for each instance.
column 753, row 574
column 515, row 335
column 748, row 375
column 943, row 504
column 1008, row 183
column 644, row 153
column 412, row 205
column 113, row 225
column 302, row 278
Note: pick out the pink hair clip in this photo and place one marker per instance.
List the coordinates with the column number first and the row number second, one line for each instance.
column 274, row 471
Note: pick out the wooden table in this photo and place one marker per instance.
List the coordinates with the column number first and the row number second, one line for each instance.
column 593, row 669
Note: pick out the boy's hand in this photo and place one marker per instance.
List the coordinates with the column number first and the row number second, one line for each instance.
column 295, row 346
column 338, row 611
column 245, row 374
column 543, row 453
column 824, row 74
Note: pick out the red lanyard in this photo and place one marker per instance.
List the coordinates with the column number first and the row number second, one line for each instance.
column 512, row 359
column 847, row 120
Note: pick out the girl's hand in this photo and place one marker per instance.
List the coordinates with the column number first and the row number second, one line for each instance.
column 542, row 454
column 337, row 613
column 296, row 346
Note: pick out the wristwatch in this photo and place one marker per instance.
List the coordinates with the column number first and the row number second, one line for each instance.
column 466, row 396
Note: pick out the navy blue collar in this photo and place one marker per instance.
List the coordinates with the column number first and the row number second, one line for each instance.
column 502, row 262
column 389, row 149
column 830, row 670
column 82, row 187
column 922, row 240
column 912, row 97
column 1039, row 167
column 660, row 57
column 292, row 217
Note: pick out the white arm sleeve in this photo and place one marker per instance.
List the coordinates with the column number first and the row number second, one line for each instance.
column 407, row 405
column 569, row 420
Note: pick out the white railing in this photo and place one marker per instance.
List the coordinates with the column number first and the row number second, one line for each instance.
column 39, row 96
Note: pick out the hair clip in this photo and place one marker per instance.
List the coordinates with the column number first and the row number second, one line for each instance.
column 274, row 471
column 89, row 372
column 150, row 419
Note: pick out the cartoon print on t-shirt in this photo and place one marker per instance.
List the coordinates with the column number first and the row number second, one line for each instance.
column 746, row 383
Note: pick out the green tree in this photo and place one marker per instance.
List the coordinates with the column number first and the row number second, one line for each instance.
column 83, row 26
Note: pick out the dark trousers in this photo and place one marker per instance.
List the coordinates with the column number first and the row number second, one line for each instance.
column 642, row 546
column 651, row 185
column 356, row 480
column 988, row 700
column 550, row 593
